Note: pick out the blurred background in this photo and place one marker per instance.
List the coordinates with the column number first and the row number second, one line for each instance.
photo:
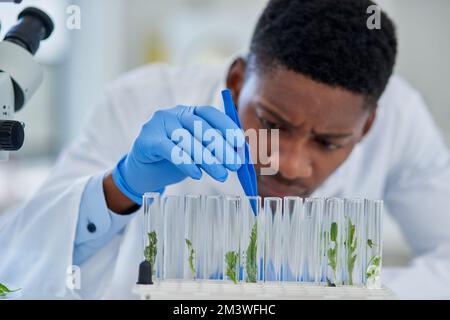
column 119, row 35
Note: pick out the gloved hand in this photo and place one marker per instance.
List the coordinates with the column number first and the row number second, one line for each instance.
column 150, row 165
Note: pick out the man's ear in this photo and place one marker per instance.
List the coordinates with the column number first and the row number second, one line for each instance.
column 370, row 120
column 236, row 78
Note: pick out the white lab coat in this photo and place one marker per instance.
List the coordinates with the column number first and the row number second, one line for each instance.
column 403, row 160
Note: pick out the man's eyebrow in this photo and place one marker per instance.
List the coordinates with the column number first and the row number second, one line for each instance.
column 329, row 135
column 273, row 114
column 324, row 135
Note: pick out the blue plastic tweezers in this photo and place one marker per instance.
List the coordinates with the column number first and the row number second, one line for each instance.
column 246, row 173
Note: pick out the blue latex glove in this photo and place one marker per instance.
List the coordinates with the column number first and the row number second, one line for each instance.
column 149, row 167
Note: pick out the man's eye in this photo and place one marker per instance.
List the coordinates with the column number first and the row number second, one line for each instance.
column 328, row 145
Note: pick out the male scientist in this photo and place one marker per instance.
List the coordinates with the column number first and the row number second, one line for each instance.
column 347, row 128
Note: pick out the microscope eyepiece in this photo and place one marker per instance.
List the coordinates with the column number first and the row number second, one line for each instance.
column 34, row 26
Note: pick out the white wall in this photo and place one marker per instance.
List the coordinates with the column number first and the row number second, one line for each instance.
column 192, row 31
column 96, row 58
column 424, row 51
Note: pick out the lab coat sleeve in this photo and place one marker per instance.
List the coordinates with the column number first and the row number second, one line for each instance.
column 418, row 197
column 97, row 225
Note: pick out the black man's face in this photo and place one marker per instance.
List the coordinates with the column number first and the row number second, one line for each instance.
column 319, row 125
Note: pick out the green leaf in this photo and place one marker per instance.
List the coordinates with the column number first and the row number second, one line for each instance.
column 332, row 261
column 332, row 252
column 376, row 261
column 251, row 265
column 351, row 236
column 191, row 257
column 5, row 290
column 373, row 267
column 370, row 243
column 333, row 231
column 231, row 259
column 353, row 260
column 351, row 245
column 150, row 250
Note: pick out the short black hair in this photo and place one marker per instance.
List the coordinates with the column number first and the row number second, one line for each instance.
column 328, row 41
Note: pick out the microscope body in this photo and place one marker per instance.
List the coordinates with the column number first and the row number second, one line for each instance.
column 6, row 104
column 20, row 74
column 20, row 77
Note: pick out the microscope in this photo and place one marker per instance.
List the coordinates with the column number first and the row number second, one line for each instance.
column 20, row 74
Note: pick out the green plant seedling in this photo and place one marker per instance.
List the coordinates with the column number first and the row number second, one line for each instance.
column 191, row 257
column 4, row 290
column 251, row 265
column 150, row 250
column 351, row 244
column 333, row 250
column 231, row 259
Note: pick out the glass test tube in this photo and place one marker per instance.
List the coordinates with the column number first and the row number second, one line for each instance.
column 261, row 252
column 274, row 253
column 232, row 219
column 252, row 253
column 153, row 233
column 214, row 238
column 354, row 242
column 374, row 224
column 194, row 242
column 333, row 245
column 293, row 242
column 174, row 237
column 312, row 271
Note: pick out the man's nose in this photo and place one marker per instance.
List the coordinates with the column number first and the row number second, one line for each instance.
column 295, row 161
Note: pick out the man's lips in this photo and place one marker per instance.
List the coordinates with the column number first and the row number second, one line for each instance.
column 271, row 187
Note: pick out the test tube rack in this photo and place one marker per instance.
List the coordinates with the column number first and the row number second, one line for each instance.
column 215, row 290
column 280, row 246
